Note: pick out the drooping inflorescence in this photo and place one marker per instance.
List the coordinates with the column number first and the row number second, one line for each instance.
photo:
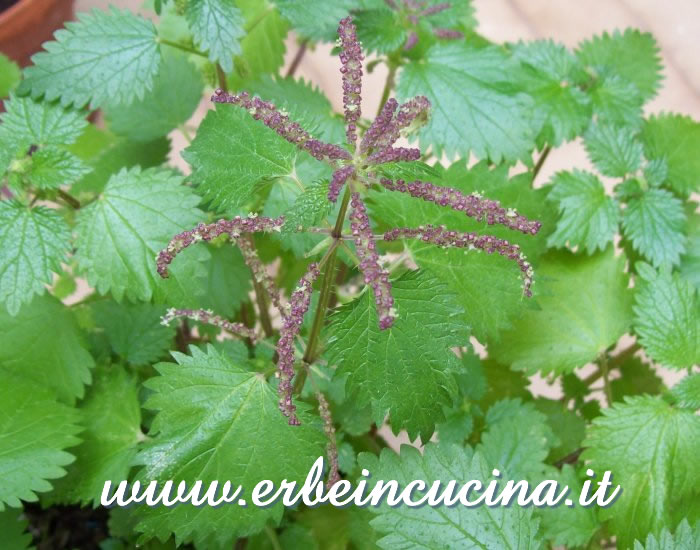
column 440, row 236
column 207, row 317
column 374, row 276
column 206, row 232
column 351, row 57
column 324, row 411
column 257, row 268
column 291, row 325
column 473, row 205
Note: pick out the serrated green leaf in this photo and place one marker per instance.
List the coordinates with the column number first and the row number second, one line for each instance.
column 654, row 222
column 632, row 55
column 217, row 27
column 105, row 56
column 111, row 415
column 217, row 421
column 380, row 30
column 636, row 377
column 690, row 261
column 13, row 527
column 442, row 526
column 10, row 75
column 177, row 90
column 684, row 538
column 392, row 371
column 489, row 287
column 573, row 526
column 34, row 431
column 567, row 426
column 310, row 208
column 651, row 448
column 687, row 392
column 334, row 529
column 549, row 73
column 315, row 19
column 120, row 234
column 616, row 101
column 676, row 139
column 584, row 308
column 135, row 332
column 589, row 217
column 471, row 112
column 232, row 153
column 613, row 149
column 60, row 362
column 228, row 281
column 33, row 243
column 52, row 167
column 667, row 317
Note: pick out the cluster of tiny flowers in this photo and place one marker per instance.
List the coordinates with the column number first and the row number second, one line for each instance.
column 374, row 275
column 394, row 154
column 207, row 316
column 291, row 326
column 351, row 57
column 268, row 114
column 416, row 10
column 206, row 232
column 332, row 446
column 441, row 237
column 387, row 128
column 340, row 176
column 258, row 270
column 473, row 205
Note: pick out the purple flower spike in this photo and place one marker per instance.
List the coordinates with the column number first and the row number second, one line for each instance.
column 380, row 127
column 207, row 316
column 351, row 57
column 472, row 205
column 448, row 34
column 332, row 446
column 291, row 325
column 411, row 41
column 437, row 8
column 259, row 271
column 340, row 176
column 206, row 232
column 394, row 154
column 440, row 236
column 268, row 114
column 374, row 275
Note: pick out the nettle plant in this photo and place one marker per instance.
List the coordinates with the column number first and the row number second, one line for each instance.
column 316, row 282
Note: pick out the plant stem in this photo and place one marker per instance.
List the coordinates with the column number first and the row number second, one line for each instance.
column 181, row 47
column 272, row 535
column 297, row 58
column 69, row 199
column 540, row 162
column 603, row 364
column 221, row 75
column 264, row 307
column 388, row 85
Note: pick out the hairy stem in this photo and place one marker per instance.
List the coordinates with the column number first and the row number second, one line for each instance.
column 297, row 58
column 69, row 199
column 540, row 162
column 182, row 47
column 603, row 364
column 221, row 76
column 264, row 307
column 272, row 536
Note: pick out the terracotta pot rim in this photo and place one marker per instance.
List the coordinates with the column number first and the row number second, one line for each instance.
column 8, row 14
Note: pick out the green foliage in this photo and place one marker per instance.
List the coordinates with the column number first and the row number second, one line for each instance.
column 667, row 317
column 684, row 538
column 9, row 75
column 103, row 57
column 654, row 477
column 206, row 407
column 315, row 19
column 392, row 371
column 614, row 150
column 217, row 26
column 13, row 527
column 687, row 392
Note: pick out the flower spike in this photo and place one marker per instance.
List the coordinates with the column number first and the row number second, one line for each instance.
column 339, row 178
column 351, row 57
column 440, row 236
column 472, row 205
column 257, row 268
column 291, row 325
column 324, row 411
column 374, row 275
column 207, row 316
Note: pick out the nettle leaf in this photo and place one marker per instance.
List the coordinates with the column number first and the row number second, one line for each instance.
column 120, row 233
column 471, row 111
column 380, row 30
column 10, row 75
column 684, row 538
column 567, row 427
column 488, row 287
column 584, row 308
column 614, row 150
column 549, row 75
column 615, row 101
column 134, row 332
column 589, row 217
column 33, row 243
column 217, row 27
column 34, row 431
column 636, row 377
column 44, row 344
column 654, row 221
column 315, row 19
column 216, row 421
column 106, row 56
column 573, row 526
column 690, row 261
column 232, row 152
column 228, row 282
column 651, row 448
column 52, row 167
column 392, row 371
column 667, row 317
column 13, row 526
column 687, row 392
column 263, row 47
column 111, row 415
column 310, row 208
column 442, row 526
column 633, row 55
column 676, row 139
column 177, row 90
